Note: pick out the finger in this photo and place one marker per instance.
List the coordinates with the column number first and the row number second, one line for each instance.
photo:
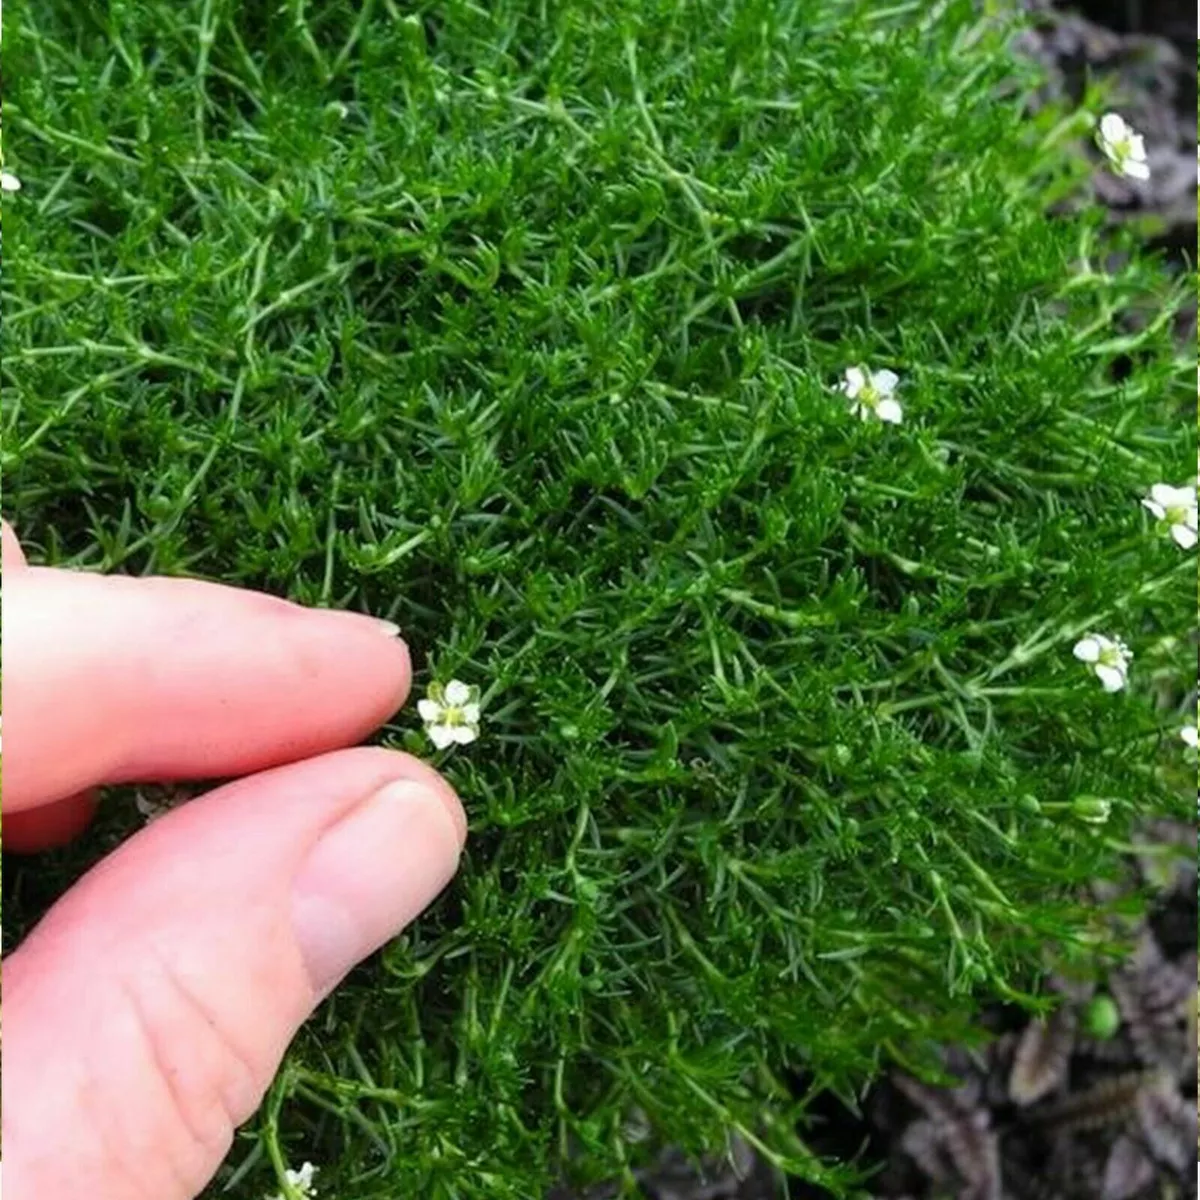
column 111, row 679
column 50, row 825
column 13, row 555
column 149, row 1010
column 64, row 820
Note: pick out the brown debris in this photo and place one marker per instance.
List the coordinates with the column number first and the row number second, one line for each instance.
column 1043, row 1054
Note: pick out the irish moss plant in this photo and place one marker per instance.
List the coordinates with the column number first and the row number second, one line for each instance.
column 530, row 327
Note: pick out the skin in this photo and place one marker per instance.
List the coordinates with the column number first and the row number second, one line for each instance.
column 147, row 1013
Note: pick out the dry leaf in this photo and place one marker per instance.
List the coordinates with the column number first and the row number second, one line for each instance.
column 939, row 1104
column 1107, row 1103
column 1127, row 1172
column 976, row 1153
column 922, row 1142
column 1042, row 1057
column 1167, row 1122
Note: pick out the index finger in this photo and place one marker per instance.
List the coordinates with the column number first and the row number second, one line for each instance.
column 110, row 679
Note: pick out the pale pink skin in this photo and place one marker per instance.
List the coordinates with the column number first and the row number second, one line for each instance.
column 146, row 1015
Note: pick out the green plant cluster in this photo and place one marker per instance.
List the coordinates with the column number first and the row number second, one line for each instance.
column 520, row 324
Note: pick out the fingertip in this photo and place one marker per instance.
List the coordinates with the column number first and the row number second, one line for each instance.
column 199, row 680
column 369, row 875
column 11, row 554
column 422, row 773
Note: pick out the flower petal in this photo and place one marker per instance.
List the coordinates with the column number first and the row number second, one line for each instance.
column 885, row 381
column 1189, row 735
column 854, row 382
column 464, row 734
column 430, row 710
column 457, row 692
column 441, row 735
column 1112, row 679
column 889, row 410
column 1113, row 127
column 1087, row 649
column 470, row 714
column 1136, row 170
column 1155, row 507
column 1184, row 535
column 303, row 1178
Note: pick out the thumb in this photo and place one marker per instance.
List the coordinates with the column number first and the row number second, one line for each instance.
column 145, row 1016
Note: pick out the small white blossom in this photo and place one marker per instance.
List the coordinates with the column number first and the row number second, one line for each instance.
column 1108, row 657
column 871, row 394
column 9, row 182
column 450, row 713
column 1188, row 733
column 301, row 1180
column 1177, row 507
column 1124, row 148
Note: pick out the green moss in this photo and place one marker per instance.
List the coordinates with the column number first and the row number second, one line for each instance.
column 518, row 324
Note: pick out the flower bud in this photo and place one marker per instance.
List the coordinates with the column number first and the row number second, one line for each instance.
column 1102, row 1018
column 1093, row 809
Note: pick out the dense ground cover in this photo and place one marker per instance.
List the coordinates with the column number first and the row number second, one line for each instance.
column 521, row 325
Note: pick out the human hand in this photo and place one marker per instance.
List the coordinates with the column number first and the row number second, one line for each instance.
column 146, row 1014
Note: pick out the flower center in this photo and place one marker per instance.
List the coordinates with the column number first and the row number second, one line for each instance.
column 452, row 715
column 1177, row 514
column 1110, row 656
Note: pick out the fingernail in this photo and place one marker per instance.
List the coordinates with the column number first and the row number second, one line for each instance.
column 390, row 628
column 371, row 874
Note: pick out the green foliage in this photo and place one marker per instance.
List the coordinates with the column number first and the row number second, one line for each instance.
column 518, row 324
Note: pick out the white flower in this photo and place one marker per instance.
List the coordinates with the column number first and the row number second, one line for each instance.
column 1125, row 149
column 450, row 713
column 1188, row 733
column 1177, row 507
column 9, row 182
column 1108, row 658
column 871, row 394
column 301, row 1180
